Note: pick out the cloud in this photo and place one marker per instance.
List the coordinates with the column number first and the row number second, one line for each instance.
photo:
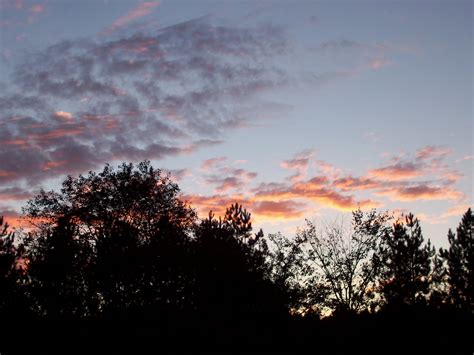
column 216, row 203
column 328, row 187
column 14, row 193
column 465, row 158
column 299, row 163
column 351, row 183
column 179, row 174
column 421, row 192
column 261, row 210
column 18, row 14
column 37, row 8
column 143, row 9
column 63, row 116
column 377, row 63
column 365, row 55
column 398, row 171
column 455, row 211
column 433, row 152
column 225, row 178
column 11, row 217
column 209, row 164
column 119, row 98
column 317, row 189
column 282, row 210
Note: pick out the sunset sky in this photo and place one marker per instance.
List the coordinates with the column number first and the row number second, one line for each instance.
column 296, row 109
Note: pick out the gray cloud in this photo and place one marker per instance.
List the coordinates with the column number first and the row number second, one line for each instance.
column 151, row 94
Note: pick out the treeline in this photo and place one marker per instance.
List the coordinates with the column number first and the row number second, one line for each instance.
column 116, row 256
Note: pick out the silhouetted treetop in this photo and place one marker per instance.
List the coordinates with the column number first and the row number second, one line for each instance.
column 460, row 263
column 140, row 196
column 345, row 261
column 407, row 263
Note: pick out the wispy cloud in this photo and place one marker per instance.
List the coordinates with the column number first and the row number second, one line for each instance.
column 209, row 164
column 299, row 164
column 225, row 178
column 398, row 171
column 421, row 192
column 143, row 9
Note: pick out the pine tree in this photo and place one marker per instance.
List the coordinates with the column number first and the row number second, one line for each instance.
column 406, row 263
column 460, row 263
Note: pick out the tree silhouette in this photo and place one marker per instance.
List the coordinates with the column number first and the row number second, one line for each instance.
column 347, row 260
column 10, row 272
column 406, row 263
column 142, row 197
column 120, row 245
column 59, row 262
column 289, row 271
column 460, row 263
column 112, row 239
column 232, row 273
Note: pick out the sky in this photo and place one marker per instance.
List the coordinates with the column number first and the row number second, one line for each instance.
column 295, row 109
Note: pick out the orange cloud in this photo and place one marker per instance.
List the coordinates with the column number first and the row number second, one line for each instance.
column 261, row 210
column 215, row 203
column 351, row 183
column 314, row 191
column 63, row 116
column 281, row 210
column 12, row 218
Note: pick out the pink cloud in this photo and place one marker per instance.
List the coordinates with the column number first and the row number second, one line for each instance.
column 227, row 178
column 141, row 10
column 432, row 152
column 209, row 164
column 421, row 192
column 312, row 190
column 328, row 169
column 377, row 63
column 53, row 164
column 300, row 163
column 37, row 8
column 398, row 171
